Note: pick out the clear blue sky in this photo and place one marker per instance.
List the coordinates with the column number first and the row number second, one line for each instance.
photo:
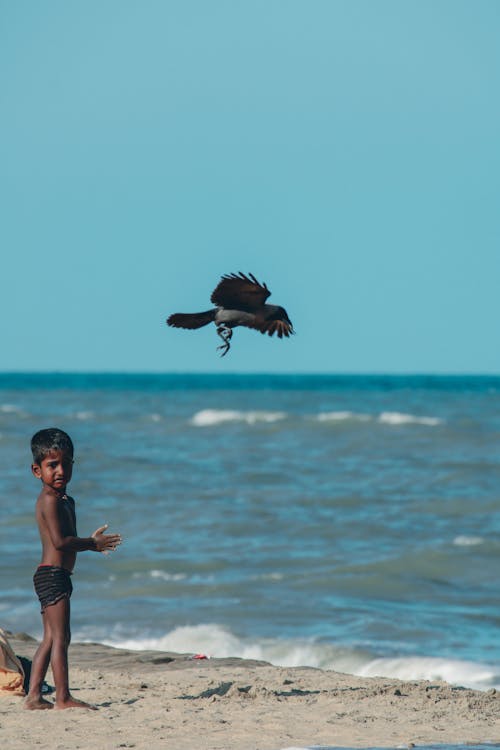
column 345, row 152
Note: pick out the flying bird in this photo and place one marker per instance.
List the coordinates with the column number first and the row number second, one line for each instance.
column 240, row 301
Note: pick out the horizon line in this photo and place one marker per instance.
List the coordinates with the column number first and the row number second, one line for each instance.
column 262, row 373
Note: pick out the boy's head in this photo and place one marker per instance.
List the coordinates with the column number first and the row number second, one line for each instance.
column 46, row 441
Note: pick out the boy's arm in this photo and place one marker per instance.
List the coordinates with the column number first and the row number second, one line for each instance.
column 98, row 542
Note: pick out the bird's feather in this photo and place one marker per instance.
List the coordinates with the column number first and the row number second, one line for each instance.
column 280, row 327
column 240, row 292
column 191, row 320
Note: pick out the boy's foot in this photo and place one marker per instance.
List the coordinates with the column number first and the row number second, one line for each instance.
column 74, row 703
column 34, row 704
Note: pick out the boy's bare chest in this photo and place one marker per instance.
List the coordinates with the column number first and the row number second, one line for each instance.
column 67, row 517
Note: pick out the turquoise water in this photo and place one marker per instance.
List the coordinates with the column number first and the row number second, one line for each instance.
column 342, row 522
column 486, row 746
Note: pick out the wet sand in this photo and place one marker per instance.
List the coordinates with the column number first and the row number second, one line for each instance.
column 151, row 699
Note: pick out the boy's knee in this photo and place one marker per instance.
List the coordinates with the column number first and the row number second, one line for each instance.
column 63, row 638
column 66, row 637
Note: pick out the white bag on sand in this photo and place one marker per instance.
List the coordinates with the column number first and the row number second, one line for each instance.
column 11, row 670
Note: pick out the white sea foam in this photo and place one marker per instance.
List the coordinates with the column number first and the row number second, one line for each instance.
column 342, row 416
column 217, row 641
column 211, row 417
column 8, row 408
column 468, row 541
column 12, row 409
column 268, row 577
column 84, row 415
column 394, row 418
column 163, row 576
column 399, row 418
column 464, row 673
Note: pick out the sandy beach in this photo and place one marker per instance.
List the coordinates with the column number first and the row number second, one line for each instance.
column 151, row 699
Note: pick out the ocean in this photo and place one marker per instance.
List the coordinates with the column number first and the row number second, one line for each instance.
column 342, row 522
column 468, row 746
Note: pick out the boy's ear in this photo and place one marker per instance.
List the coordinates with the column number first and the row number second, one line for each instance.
column 36, row 471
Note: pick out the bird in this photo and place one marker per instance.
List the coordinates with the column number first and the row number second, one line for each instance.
column 240, row 301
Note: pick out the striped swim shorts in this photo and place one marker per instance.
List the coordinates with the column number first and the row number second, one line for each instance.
column 52, row 584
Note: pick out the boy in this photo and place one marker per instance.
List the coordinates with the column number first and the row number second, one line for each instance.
column 55, row 514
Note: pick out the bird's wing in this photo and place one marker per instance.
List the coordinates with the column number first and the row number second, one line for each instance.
column 280, row 327
column 236, row 291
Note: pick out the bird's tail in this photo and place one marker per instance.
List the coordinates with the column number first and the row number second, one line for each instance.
column 192, row 320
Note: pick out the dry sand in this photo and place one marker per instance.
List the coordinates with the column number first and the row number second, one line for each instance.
column 156, row 700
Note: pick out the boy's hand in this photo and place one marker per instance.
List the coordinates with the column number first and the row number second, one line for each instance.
column 105, row 543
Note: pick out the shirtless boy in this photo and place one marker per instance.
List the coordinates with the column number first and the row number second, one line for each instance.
column 55, row 514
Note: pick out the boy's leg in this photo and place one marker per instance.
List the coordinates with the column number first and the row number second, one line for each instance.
column 58, row 616
column 39, row 668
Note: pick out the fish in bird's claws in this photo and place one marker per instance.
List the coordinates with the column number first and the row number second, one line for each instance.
column 226, row 334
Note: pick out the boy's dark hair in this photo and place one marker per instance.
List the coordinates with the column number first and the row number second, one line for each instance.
column 51, row 439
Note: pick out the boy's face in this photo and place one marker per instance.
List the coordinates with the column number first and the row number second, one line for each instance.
column 55, row 470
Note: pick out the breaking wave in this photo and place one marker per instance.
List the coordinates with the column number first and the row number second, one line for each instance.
column 214, row 640
column 211, row 417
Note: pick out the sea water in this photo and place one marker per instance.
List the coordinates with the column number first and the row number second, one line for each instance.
column 472, row 746
column 347, row 523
